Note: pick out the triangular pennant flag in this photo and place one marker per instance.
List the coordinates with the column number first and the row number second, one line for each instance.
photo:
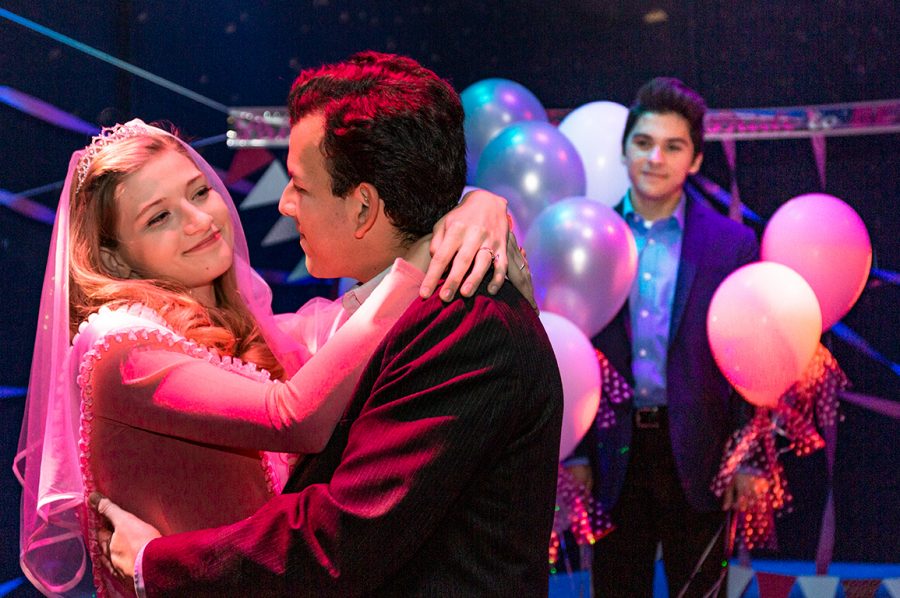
column 738, row 579
column 299, row 272
column 242, row 186
column 818, row 586
column 247, row 161
column 268, row 189
column 773, row 585
column 892, row 586
column 860, row 588
column 284, row 229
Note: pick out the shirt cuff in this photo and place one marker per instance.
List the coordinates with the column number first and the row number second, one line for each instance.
column 139, row 588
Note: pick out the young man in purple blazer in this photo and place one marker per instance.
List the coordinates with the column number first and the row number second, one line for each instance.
column 653, row 468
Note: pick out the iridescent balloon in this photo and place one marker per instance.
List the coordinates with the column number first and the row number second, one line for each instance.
column 490, row 106
column 532, row 165
column 583, row 261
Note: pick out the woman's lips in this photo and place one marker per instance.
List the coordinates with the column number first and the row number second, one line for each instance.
column 207, row 242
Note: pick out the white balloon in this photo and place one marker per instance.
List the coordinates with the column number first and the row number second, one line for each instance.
column 595, row 129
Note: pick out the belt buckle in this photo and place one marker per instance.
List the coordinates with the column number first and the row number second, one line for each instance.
column 646, row 417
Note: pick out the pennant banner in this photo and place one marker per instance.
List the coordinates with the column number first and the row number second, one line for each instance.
column 284, row 229
column 247, row 161
column 268, row 189
column 773, row 585
column 738, row 579
column 860, row 588
column 816, row 586
column 299, row 273
column 892, row 586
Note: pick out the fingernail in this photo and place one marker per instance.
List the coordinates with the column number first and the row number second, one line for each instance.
column 467, row 289
column 424, row 292
column 94, row 499
column 492, row 289
column 447, row 294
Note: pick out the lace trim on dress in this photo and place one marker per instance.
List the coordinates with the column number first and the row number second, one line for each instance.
column 142, row 332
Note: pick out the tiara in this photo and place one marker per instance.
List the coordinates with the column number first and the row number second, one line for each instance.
column 107, row 137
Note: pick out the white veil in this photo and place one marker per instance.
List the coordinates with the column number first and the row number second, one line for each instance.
column 52, row 552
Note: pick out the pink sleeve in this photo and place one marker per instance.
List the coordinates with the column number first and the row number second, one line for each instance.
column 159, row 383
column 314, row 323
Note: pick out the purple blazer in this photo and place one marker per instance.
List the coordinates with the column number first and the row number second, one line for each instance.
column 703, row 409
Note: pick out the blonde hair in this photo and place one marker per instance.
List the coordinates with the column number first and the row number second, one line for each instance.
column 229, row 327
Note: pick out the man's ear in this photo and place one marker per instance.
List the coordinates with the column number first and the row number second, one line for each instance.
column 114, row 264
column 695, row 165
column 366, row 206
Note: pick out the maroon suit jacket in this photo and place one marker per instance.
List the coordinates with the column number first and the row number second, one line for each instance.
column 440, row 481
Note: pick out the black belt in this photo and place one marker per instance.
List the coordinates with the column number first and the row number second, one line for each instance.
column 649, row 417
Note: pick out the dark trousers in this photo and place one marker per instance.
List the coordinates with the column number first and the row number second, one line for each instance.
column 651, row 509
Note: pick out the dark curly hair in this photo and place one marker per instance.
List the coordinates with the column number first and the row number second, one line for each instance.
column 392, row 123
column 668, row 95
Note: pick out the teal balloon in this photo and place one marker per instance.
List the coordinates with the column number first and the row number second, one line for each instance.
column 532, row 165
column 490, row 106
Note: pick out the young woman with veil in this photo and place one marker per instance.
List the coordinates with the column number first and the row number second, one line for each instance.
column 159, row 371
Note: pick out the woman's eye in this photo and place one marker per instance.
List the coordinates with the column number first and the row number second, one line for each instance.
column 201, row 193
column 159, row 218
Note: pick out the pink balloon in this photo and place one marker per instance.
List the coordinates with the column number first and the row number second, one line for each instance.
column 763, row 325
column 580, row 374
column 826, row 242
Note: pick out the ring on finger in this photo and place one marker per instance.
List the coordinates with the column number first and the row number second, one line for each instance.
column 491, row 251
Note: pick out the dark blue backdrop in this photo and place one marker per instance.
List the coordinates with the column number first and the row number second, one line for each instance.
column 568, row 53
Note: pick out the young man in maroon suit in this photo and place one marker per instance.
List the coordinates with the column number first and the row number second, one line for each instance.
column 441, row 478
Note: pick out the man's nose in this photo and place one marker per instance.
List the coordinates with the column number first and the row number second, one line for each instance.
column 285, row 206
column 655, row 154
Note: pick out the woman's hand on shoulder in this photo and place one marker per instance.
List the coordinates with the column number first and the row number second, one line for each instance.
column 476, row 234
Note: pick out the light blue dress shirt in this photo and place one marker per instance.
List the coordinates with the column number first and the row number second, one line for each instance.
column 651, row 298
